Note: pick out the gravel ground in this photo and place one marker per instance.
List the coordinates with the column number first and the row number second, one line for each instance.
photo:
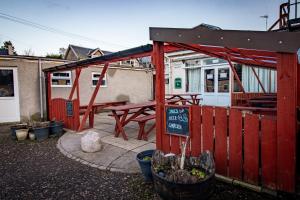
column 37, row 170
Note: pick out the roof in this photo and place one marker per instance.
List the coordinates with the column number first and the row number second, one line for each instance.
column 288, row 42
column 84, row 53
column 136, row 52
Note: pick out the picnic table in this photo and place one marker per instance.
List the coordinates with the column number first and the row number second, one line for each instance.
column 121, row 114
column 191, row 98
column 97, row 107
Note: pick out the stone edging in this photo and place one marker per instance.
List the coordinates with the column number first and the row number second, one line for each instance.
column 82, row 161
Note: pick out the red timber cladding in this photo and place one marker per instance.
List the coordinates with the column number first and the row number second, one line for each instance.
column 268, row 152
column 196, row 131
column 235, row 144
column 221, row 127
column 251, row 148
column 58, row 112
column 244, row 145
column 208, row 128
column 286, row 121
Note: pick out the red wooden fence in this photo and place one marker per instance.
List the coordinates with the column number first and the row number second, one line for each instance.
column 243, row 145
column 240, row 98
column 58, row 111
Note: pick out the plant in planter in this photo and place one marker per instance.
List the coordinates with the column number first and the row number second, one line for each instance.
column 41, row 130
column 56, row 128
column 144, row 159
column 179, row 177
column 17, row 127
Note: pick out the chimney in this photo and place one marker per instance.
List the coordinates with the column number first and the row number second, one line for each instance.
column 10, row 49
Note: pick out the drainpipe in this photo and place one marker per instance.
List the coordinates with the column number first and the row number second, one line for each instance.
column 41, row 88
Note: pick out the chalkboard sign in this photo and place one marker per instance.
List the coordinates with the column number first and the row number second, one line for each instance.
column 177, row 120
column 69, row 106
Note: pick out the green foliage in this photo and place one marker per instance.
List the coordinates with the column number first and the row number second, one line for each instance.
column 6, row 44
column 56, row 56
column 198, row 173
column 146, row 158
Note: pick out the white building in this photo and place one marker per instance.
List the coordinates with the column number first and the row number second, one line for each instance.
column 190, row 72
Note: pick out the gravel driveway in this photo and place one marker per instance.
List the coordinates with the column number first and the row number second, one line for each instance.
column 37, row 170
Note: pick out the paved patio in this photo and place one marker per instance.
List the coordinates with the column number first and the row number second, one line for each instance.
column 116, row 154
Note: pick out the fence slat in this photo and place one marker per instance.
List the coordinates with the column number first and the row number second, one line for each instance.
column 235, row 144
column 221, row 127
column 196, row 130
column 251, row 148
column 268, row 152
column 208, row 130
column 175, row 146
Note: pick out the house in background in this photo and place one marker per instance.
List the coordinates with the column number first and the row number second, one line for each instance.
column 75, row 53
column 191, row 72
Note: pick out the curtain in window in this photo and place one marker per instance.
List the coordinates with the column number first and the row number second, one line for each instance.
column 194, row 80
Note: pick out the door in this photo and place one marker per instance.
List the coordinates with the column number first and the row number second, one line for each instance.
column 216, row 85
column 9, row 95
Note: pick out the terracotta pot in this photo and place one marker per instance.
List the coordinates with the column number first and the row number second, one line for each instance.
column 22, row 134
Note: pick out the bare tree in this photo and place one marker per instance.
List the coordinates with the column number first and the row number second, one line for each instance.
column 28, row 52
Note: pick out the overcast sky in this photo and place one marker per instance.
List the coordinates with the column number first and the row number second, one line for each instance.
column 120, row 24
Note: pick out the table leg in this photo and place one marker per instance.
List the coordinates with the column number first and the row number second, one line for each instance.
column 120, row 128
column 91, row 118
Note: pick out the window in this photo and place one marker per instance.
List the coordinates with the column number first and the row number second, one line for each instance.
column 6, row 83
column 223, row 80
column 127, row 62
column 61, row 79
column 193, row 77
column 209, row 83
column 213, row 61
column 236, row 86
column 95, row 78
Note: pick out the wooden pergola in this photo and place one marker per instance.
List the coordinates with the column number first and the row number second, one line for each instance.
column 262, row 151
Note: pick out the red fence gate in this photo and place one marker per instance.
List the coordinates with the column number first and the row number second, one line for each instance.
column 243, row 144
column 59, row 110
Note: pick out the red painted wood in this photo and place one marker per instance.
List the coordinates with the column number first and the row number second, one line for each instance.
column 49, row 95
column 75, row 84
column 196, row 130
column 175, row 145
column 268, row 152
column 91, row 102
column 235, row 144
column 208, row 128
column 286, row 121
column 158, row 61
column 251, row 148
column 78, row 71
column 221, row 127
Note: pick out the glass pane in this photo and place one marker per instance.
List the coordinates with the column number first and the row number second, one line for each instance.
column 238, row 69
column 6, row 83
column 223, row 80
column 209, row 83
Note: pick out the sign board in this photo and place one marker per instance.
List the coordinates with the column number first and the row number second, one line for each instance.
column 69, row 107
column 177, row 120
column 178, row 84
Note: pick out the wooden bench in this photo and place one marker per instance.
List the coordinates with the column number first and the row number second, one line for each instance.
column 142, row 122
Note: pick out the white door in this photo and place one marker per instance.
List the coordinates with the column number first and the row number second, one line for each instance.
column 216, row 85
column 9, row 95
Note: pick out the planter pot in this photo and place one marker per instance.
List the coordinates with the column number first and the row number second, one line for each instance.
column 16, row 127
column 179, row 191
column 56, row 128
column 145, row 165
column 31, row 136
column 22, row 134
column 41, row 133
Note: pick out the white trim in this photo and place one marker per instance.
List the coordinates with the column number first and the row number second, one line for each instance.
column 62, row 78
column 99, row 73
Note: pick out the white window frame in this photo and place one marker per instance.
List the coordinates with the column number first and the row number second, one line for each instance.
column 62, row 78
column 96, row 78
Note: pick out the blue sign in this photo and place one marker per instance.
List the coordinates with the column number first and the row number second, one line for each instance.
column 69, row 106
column 177, row 120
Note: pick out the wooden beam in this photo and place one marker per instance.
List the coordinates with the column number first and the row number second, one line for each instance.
column 259, row 82
column 235, row 75
column 286, row 121
column 91, row 102
column 158, row 59
column 75, row 84
column 78, row 71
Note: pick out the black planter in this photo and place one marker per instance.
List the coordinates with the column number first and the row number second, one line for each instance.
column 56, row 128
column 145, row 165
column 179, row 191
column 41, row 133
column 14, row 128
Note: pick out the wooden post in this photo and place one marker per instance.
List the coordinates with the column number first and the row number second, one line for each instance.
column 286, row 121
column 89, row 108
column 49, row 95
column 78, row 71
column 235, row 74
column 158, row 59
column 75, row 84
